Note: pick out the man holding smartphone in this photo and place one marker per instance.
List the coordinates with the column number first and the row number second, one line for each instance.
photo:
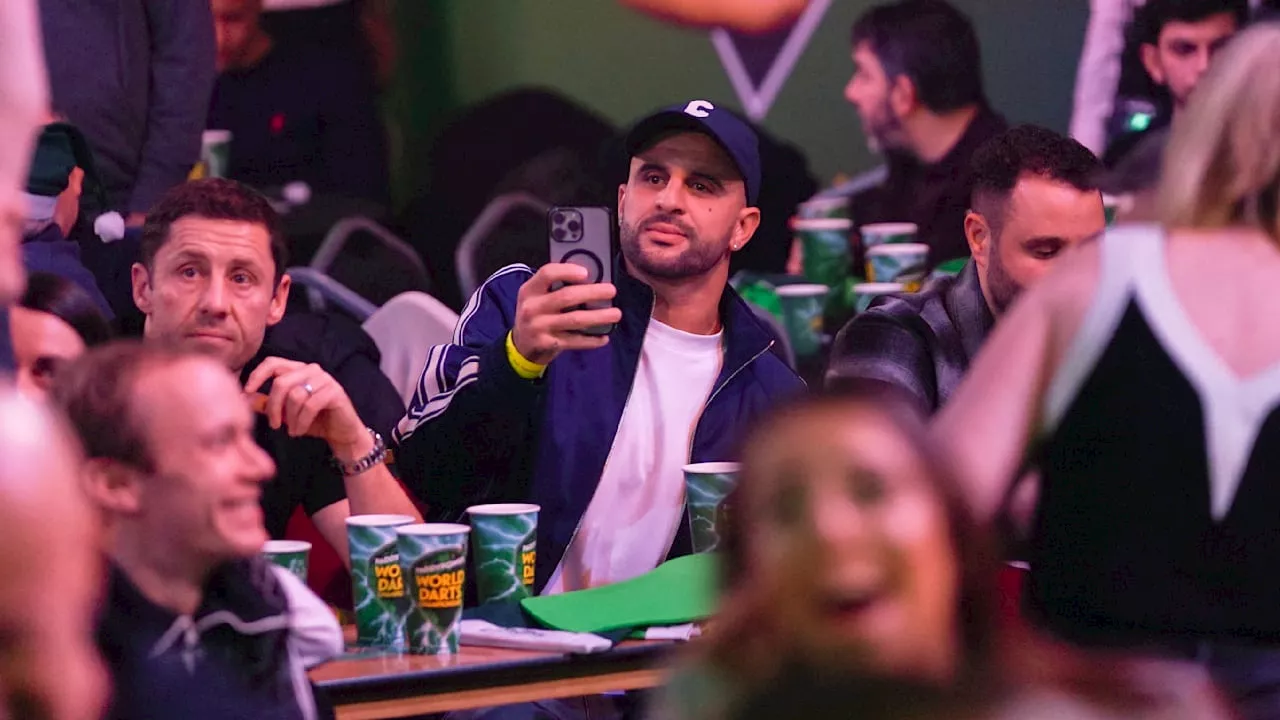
column 526, row 405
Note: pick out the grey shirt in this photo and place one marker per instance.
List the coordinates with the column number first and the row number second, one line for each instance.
column 135, row 76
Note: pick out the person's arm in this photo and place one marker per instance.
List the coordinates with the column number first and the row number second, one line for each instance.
column 314, row 633
column 24, row 86
column 182, row 75
column 878, row 347
column 1098, row 73
column 306, row 400
column 471, row 416
column 756, row 16
column 353, row 141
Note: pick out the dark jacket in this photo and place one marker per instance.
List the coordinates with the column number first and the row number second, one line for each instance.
column 243, row 653
column 135, row 75
column 477, row 432
column 919, row 343
column 934, row 196
column 50, row 251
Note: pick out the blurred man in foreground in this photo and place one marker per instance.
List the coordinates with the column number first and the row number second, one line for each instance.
column 196, row 622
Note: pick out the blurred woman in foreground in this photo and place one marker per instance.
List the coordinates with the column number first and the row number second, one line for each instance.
column 849, row 553
column 1144, row 372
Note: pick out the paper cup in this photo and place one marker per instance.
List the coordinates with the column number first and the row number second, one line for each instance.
column 215, row 152
column 885, row 233
column 377, row 582
column 706, row 485
column 864, row 293
column 434, row 559
column 906, row 263
column 802, row 307
column 288, row 554
column 825, row 242
column 830, row 207
column 504, row 540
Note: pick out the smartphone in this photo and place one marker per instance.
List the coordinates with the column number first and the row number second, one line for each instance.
column 584, row 236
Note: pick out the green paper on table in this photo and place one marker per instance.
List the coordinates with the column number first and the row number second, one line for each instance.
column 677, row 591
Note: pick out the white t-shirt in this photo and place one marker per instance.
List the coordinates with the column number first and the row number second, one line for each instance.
column 637, row 507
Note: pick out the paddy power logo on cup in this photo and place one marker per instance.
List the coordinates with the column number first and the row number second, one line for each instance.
column 440, row 585
column 435, row 556
column 386, row 569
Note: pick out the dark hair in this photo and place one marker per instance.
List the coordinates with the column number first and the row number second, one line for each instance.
column 68, row 302
column 977, row 605
column 1026, row 150
column 214, row 199
column 930, row 42
column 1150, row 19
column 95, row 392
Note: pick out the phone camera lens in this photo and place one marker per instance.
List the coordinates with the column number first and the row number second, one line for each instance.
column 558, row 218
column 574, row 226
column 558, row 234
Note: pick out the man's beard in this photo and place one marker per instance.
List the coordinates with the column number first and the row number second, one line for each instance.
column 883, row 129
column 697, row 258
column 1002, row 288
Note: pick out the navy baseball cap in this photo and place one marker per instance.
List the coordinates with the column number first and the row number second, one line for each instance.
column 735, row 136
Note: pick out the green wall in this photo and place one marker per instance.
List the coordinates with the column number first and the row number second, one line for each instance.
column 454, row 52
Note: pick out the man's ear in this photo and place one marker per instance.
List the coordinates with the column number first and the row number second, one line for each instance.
column 141, row 280
column 1151, row 61
column 903, row 97
column 978, row 233
column 112, row 486
column 622, row 196
column 279, row 300
column 744, row 229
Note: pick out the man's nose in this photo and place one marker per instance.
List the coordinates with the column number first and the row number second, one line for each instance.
column 214, row 298
column 671, row 198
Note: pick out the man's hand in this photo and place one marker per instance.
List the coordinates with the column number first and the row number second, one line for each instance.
column 543, row 330
column 306, row 400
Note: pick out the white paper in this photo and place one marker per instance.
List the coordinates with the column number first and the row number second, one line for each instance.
column 486, row 634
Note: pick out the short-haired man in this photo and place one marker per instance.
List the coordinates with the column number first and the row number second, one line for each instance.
column 1034, row 197
column 196, row 622
column 917, row 86
column 1177, row 40
column 211, row 277
column 524, row 406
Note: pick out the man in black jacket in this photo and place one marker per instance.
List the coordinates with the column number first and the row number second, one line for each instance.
column 1034, row 197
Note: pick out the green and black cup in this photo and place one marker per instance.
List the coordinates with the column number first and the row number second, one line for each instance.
column 504, row 541
column 288, row 554
column 906, row 263
column 802, row 315
column 377, row 582
column 825, row 242
column 887, row 233
column 865, row 293
column 433, row 557
column 706, row 485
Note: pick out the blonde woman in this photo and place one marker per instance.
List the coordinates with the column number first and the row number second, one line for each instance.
column 1144, row 375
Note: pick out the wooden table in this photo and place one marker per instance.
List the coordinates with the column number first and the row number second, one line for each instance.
column 373, row 685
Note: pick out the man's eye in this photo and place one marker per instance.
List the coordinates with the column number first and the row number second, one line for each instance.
column 242, row 278
column 188, row 272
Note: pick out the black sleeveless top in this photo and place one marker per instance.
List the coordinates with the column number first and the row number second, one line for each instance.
column 1159, row 514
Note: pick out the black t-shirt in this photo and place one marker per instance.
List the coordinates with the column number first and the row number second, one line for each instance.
column 305, row 473
column 304, row 113
column 935, row 196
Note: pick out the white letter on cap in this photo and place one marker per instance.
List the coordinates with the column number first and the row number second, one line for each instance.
column 699, row 108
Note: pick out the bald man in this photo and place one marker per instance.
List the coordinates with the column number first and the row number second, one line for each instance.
column 50, row 570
